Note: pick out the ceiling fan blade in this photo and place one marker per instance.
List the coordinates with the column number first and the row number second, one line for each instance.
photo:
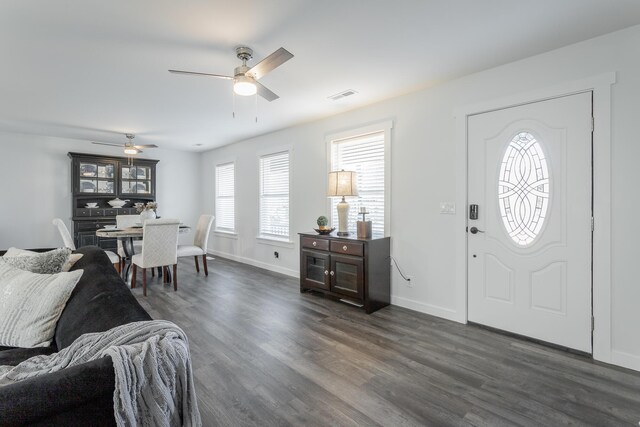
column 272, row 61
column 193, row 73
column 137, row 147
column 107, row 143
column 266, row 93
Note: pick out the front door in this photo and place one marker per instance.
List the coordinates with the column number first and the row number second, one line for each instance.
column 529, row 250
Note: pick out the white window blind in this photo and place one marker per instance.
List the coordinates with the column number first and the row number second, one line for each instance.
column 225, row 197
column 274, row 196
column 365, row 155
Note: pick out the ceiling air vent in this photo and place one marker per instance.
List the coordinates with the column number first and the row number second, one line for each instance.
column 342, row 94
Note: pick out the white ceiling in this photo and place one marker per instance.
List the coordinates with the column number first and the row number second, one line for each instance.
column 95, row 69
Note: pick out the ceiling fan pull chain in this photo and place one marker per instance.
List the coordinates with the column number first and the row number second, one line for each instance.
column 256, row 107
column 233, row 113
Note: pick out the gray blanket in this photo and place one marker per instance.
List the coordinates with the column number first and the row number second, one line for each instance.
column 153, row 377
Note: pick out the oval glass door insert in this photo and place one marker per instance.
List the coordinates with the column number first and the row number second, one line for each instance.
column 523, row 189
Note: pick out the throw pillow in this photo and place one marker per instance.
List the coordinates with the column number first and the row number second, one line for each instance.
column 73, row 258
column 31, row 304
column 43, row 263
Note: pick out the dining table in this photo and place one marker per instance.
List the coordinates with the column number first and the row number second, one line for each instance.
column 127, row 236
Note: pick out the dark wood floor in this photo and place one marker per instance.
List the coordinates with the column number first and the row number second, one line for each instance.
column 264, row 354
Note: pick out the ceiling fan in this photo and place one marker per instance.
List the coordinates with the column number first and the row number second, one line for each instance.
column 245, row 78
column 129, row 147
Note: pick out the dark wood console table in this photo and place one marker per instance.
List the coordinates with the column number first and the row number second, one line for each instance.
column 357, row 271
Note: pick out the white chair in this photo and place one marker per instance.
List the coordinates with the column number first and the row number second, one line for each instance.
column 126, row 221
column 68, row 242
column 159, row 249
column 200, row 240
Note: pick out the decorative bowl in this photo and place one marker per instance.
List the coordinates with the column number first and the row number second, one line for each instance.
column 92, row 205
column 325, row 231
column 117, row 203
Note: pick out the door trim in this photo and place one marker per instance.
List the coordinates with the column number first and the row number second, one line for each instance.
column 600, row 85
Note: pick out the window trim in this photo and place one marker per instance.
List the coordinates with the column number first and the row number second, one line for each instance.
column 382, row 126
column 266, row 238
column 224, row 231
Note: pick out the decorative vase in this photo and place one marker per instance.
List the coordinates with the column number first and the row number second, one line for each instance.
column 147, row 214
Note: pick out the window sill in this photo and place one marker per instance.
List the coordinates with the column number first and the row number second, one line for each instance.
column 285, row 243
column 226, row 234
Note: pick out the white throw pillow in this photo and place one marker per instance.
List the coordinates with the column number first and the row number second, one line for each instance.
column 31, row 304
column 14, row 252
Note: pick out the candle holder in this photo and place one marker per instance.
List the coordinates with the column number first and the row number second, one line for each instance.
column 364, row 227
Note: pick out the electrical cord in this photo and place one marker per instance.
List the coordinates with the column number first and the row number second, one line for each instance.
column 407, row 279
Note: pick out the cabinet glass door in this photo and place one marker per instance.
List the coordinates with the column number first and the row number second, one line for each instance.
column 315, row 269
column 136, row 179
column 96, row 177
column 347, row 276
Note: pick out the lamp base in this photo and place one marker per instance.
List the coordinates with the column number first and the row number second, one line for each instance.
column 343, row 216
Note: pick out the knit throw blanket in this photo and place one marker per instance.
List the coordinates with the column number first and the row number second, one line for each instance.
column 153, row 377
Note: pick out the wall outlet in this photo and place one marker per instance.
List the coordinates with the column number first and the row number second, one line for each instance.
column 409, row 281
column 276, row 254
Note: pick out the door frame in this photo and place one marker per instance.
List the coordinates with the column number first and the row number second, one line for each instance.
column 600, row 86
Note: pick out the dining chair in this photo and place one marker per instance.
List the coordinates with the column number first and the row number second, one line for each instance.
column 68, row 242
column 200, row 240
column 159, row 249
column 126, row 221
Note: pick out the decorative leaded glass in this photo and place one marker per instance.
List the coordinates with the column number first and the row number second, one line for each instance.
column 523, row 189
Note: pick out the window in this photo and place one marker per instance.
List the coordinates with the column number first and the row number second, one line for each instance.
column 225, row 198
column 364, row 154
column 274, row 196
column 523, row 189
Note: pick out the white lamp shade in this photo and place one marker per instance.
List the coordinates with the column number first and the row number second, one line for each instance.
column 342, row 183
column 244, row 86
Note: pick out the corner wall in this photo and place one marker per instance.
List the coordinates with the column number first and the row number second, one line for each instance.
column 423, row 163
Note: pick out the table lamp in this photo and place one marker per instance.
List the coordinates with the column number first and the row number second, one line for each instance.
column 342, row 184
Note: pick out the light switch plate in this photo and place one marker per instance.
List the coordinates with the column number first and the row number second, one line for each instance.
column 447, row 208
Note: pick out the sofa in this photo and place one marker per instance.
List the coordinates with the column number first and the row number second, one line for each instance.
column 83, row 394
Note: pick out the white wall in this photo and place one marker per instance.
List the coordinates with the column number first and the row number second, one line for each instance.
column 423, row 174
column 35, row 186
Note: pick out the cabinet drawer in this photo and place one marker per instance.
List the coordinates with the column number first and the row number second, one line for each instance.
column 349, row 248
column 311, row 243
column 110, row 212
column 83, row 212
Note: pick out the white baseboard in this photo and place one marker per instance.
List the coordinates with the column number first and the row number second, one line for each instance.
column 434, row 310
column 259, row 264
column 626, row 360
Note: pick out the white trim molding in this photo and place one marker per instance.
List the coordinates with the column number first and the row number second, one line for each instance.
column 434, row 310
column 253, row 262
column 600, row 86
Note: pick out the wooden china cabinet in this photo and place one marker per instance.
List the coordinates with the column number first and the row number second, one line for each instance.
column 98, row 179
column 357, row 271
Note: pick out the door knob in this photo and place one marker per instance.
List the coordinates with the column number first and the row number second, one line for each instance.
column 474, row 230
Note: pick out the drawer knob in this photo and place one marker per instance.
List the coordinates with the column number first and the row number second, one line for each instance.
column 315, row 243
column 326, row 272
column 332, row 274
column 344, row 248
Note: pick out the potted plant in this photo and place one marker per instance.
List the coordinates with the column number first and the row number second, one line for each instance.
column 322, row 222
column 146, row 211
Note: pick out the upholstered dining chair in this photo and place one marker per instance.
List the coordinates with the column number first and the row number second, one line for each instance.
column 159, row 249
column 200, row 240
column 68, row 242
column 126, row 221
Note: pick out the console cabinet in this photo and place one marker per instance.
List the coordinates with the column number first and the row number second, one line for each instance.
column 98, row 179
column 356, row 271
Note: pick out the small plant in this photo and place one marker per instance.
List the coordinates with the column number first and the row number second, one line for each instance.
column 322, row 222
column 149, row 206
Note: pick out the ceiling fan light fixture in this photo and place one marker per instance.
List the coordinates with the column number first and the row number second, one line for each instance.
column 130, row 150
column 244, row 86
